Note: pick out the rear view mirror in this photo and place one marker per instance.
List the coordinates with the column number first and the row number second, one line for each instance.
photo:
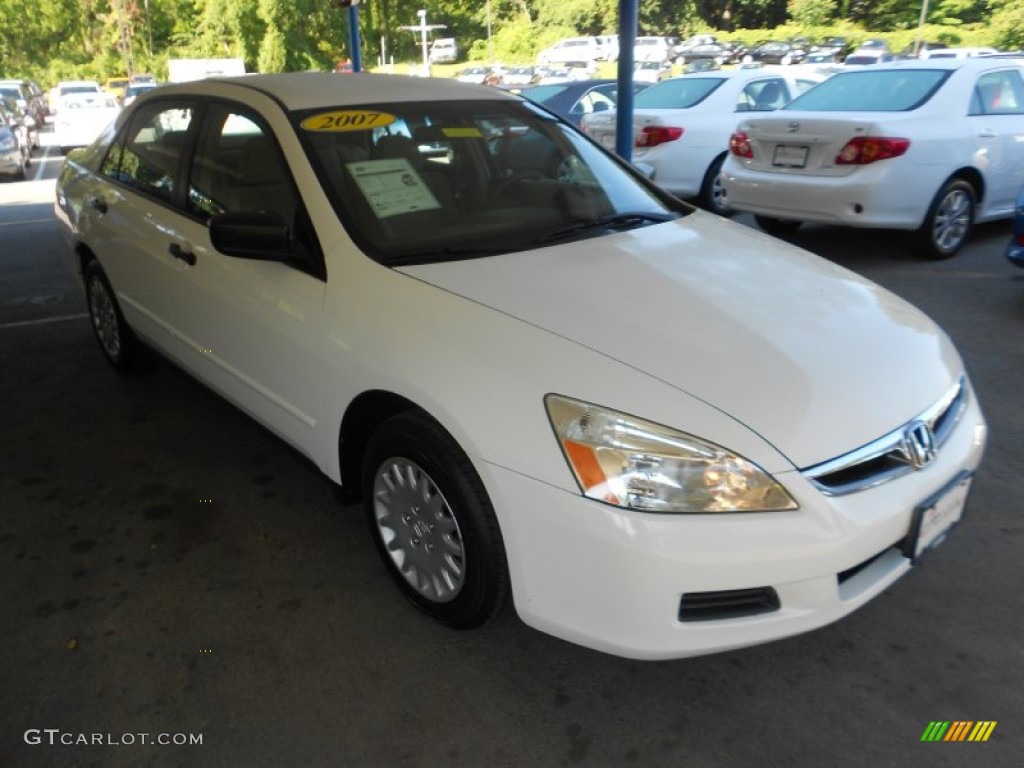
column 252, row 235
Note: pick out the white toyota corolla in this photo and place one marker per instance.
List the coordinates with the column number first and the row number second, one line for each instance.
column 660, row 433
column 927, row 146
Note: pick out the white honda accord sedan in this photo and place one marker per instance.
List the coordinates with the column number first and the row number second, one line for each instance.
column 659, row 433
column 931, row 147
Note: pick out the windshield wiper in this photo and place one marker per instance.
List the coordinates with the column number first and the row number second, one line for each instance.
column 616, row 221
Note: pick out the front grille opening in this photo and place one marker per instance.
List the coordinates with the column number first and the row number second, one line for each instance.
column 862, row 474
column 728, row 604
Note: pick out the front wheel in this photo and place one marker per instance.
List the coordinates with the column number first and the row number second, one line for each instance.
column 433, row 523
column 949, row 221
column 777, row 227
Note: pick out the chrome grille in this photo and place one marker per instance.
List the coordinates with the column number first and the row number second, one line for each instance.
column 889, row 456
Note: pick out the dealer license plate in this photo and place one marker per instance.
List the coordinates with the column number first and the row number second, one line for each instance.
column 787, row 156
column 933, row 519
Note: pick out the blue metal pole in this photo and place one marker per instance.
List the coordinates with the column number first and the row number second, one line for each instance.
column 624, row 104
column 353, row 37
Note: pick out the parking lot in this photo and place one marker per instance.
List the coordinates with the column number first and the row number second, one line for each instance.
column 172, row 570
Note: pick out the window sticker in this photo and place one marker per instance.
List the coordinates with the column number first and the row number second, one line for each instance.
column 462, row 133
column 392, row 187
column 347, row 120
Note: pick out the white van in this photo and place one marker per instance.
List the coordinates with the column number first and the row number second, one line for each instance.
column 570, row 49
column 444, row 51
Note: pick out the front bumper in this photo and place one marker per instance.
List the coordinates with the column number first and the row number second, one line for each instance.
column 613, row 580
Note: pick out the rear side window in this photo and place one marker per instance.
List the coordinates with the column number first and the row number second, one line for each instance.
column 998, row 93
column 888, row 90
column 681, row 93
column 148, row 157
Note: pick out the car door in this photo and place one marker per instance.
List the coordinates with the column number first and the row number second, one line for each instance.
column 996, row 120
column 129, row 215
column 252, row 329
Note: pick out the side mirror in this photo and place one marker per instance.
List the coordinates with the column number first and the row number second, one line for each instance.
column 252, row 235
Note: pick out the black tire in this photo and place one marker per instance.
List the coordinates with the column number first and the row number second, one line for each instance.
column 777, row 227
column 115, row 338
column 949, row 221
column 712, row 191
column 432, row 522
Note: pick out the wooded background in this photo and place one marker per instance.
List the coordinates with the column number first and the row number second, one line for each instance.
column 51, row 40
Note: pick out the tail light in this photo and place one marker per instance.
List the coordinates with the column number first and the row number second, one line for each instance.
column 653, row 135
column 863, row 150
column 739, row 145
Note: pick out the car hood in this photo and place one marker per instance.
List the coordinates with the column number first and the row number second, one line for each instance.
column 812, row 357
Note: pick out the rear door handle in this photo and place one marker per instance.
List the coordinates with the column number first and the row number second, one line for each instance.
column 987, row 133
column 98, row 204
column 180, row 253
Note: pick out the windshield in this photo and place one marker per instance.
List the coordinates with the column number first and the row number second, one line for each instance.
column 872, row 90
column 679, row 93
column 436, row 181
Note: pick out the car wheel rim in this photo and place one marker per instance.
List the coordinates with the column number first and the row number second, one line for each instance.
column 717, row 194
column 104, row 318
column 419, row 530
column 952, row 219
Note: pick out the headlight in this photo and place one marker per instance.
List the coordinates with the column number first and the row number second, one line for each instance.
column 637, row 464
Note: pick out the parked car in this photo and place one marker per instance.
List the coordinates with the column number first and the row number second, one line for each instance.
column 571, row 49
column 681, row 126
column 707, row 52
column 957, row 53
column 777, row 52
column 519, row 76
column 22, row 123
column 30, row 101
column 575, row 98
column 1015, row 250
column 66, row 87
column 477, row 75
column 657, row 49
column 81, row 117
column 660, row 433
column 115, row 86
column 651, row 71
column 866, row 57
column 927, row 146
column 443, row 51
column 133, row 90
column 14, row 154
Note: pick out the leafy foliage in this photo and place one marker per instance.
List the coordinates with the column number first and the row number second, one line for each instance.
column 54, row 39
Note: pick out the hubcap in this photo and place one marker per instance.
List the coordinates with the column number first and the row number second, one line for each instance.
column 717, row 194
column 952, row 220
column 419, row 530
column 104, row 318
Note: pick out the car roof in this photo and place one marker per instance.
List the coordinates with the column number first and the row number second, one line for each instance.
column 972, row 63
column 309, row 90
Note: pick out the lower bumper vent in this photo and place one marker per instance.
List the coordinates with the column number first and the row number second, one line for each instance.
column 727, row 604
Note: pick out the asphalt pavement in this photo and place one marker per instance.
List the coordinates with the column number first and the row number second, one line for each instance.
column 173, row 573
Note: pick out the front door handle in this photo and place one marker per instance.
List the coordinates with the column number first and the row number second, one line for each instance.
column 180, row 253
column 98, row 204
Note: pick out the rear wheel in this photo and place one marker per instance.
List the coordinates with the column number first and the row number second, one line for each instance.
column 712, row 191
column 949, row 221
column 433, row 523
column 115, row 337
column 777, row 227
